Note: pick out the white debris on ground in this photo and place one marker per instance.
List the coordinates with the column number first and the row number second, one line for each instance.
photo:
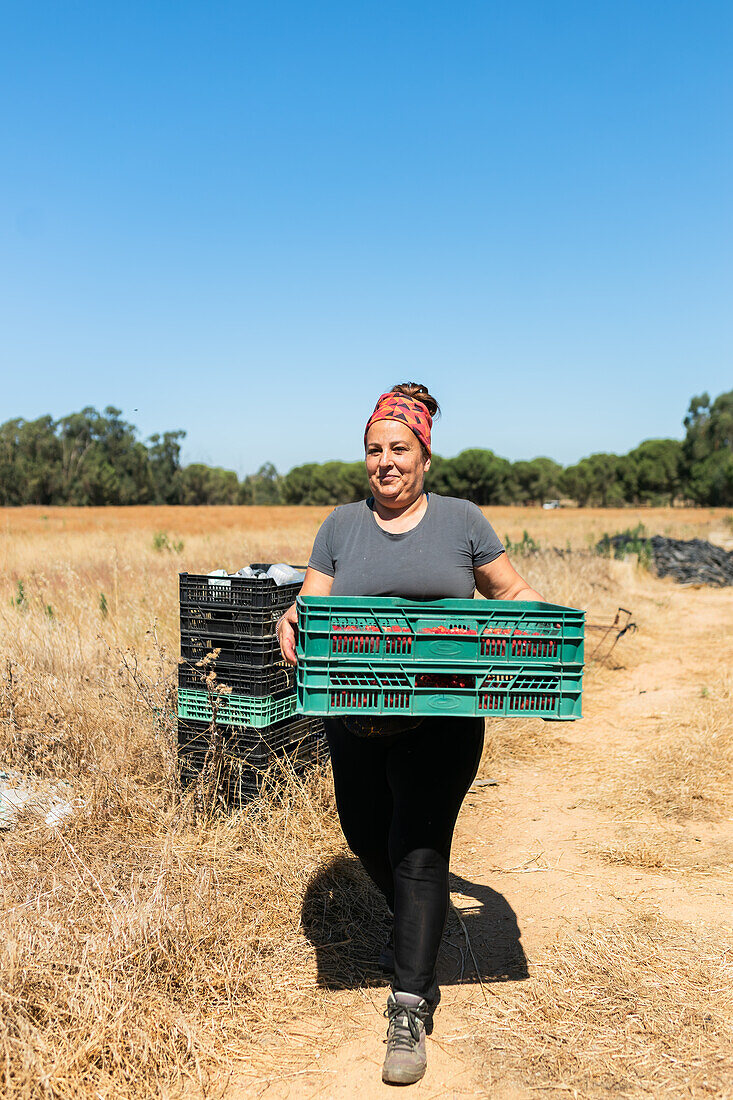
column 22, row 799
column 280, row 573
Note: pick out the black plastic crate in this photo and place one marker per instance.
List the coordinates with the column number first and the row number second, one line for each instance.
column 292, row 733
column 241, row 652
column 202, row 591
column 240, row 767
column 194, row 739
column 247, row 741
column 247, row 754
column 228, row 622
column 275, row 679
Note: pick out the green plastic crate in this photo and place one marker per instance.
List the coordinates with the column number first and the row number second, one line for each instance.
column 237, row 710
column 378, row 629
column 330, row 686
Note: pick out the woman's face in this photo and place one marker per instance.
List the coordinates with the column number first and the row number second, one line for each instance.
column 395, row 464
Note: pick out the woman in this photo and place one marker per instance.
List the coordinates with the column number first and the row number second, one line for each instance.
column 400, row 783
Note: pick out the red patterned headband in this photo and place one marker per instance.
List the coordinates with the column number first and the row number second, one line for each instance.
column 408, row 410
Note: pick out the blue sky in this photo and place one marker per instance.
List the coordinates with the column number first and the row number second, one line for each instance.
column 248, row 220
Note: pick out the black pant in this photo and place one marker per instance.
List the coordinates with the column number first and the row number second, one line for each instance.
column 398, row 799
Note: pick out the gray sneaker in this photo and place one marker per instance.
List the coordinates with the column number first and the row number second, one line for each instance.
column 406, row 1060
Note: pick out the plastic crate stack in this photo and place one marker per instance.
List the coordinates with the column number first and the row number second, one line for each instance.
column 238, row 616
column 475, row 658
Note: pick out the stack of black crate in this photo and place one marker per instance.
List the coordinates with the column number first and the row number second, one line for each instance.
column 237, row 616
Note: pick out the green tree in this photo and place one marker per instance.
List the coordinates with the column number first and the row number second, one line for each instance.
column 39, row 461
column 536, row 480
column 164, row 455
column 262, row 487
column 325, row 483
column 202, row 484
column 102, row 460
column 480, row 476
column 436, row 479
column 605, row 471
column 595, row 480
column 11, row 486
column 30, row 456
column 708, row 450
column 353, row 482
column 655, row 468
column 576, row 482
column 711, row 481
column 296, row 484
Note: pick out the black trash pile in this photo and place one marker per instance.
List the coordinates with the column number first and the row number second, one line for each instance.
column 689, row 562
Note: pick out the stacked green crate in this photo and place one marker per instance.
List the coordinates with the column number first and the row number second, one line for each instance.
column 381, row 656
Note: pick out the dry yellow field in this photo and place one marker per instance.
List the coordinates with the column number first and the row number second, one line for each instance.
column 580, row 525
column 150, row 954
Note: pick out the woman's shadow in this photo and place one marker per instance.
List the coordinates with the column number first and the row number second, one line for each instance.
column 346, row 920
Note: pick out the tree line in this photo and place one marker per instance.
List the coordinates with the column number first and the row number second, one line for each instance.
column 93, row 458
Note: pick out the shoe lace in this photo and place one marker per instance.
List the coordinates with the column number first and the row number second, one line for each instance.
column 404, row 1026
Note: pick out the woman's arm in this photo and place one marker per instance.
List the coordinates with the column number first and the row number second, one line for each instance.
column 315, row 584
column 499, row 580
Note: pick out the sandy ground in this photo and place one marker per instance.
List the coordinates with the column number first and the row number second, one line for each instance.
column 526, row 870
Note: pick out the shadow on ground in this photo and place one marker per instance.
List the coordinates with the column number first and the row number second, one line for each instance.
column 346, row 920
column 493, row 933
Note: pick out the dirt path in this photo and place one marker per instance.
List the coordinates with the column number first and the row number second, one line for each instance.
column 527, row 869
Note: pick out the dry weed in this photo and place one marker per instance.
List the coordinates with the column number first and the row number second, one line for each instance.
column 520, row 740
column 577, row 579
column 668, row 852
column 141, row 957
column 683, row 769
column 660, row 853
column 642, row 1010
column 690, row 773
column 581, row 528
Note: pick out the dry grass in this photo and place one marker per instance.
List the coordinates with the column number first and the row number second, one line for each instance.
column 233, row 535
column 660, row 853
column 140, row 956
column 146, row 955
column 641, row 1009
column 580, row 528
column 579, row 579
column 661, row 850
column 672, row 799
column 689, row 776
column 681, row 770
column 140, row 959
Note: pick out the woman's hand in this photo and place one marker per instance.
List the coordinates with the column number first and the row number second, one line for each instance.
column 286, row 626
column 315, row 584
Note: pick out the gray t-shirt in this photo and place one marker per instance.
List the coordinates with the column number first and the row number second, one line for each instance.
column 433, row 561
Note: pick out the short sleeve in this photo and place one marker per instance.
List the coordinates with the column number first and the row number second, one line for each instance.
column 485, row 544
column 322, row 556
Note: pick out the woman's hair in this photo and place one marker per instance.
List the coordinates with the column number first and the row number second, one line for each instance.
column 418, row 392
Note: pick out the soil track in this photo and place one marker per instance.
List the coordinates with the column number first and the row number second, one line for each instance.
column 528, row 869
